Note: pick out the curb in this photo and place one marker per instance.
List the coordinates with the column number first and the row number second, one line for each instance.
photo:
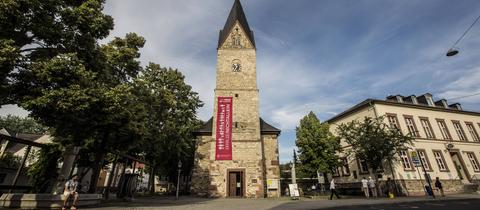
column 399, row 202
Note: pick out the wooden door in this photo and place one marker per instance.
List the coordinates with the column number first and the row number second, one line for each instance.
column 232, row 184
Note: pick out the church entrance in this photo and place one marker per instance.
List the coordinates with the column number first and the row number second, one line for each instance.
column 236, row 182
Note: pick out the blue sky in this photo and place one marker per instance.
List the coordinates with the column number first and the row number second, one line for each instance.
column 317, row 55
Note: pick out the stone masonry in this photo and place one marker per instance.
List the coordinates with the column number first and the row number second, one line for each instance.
column 254, row 142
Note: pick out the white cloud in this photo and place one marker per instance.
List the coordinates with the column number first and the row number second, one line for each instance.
column 288, row 116
column 12, row 109
column 179, row 34
column 466, row 85
column 286, row 153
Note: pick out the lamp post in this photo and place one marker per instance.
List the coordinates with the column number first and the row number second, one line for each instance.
column 178, row 178
column 453, row 51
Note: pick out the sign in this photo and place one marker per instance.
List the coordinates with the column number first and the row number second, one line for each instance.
column 415, row 159
column 293, row 188
column 223, row 147
column 320, row 177
column 272, row 183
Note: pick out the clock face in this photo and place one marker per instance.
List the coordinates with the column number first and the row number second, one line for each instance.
column 236, row 66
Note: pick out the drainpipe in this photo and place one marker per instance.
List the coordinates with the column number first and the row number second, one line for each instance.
column 264, row 166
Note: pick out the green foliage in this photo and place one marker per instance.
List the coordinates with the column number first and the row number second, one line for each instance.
column 318, row 147
column 285, row 172
column 92, row 95
column 172, row 106
column 8, row 160
column 32, row 30
column 373, row 141
column 16, row 124
column 43, row 172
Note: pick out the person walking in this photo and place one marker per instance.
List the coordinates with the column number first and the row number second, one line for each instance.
column 365, row 187
column 439, row 186
column 390, row 188
column 372, row 186
column 332, row 189
column 70, row 191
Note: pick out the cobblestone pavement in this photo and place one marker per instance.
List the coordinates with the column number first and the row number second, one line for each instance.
column 192, row 203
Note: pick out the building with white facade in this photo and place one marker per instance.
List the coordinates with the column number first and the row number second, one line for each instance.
column 446, row 139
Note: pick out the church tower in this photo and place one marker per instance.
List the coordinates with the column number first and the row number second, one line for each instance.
column 237, row 152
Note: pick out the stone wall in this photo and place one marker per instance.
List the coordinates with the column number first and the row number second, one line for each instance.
column 272, row 163
column 210, row 176
column 201, row 172
column 416, row 187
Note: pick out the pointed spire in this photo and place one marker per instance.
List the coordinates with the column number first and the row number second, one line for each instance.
column 236, row 14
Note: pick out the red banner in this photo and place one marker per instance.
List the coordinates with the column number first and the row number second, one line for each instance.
column 223, row 147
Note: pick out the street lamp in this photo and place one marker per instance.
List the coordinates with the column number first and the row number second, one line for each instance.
column 451, row 52
column 178, row 178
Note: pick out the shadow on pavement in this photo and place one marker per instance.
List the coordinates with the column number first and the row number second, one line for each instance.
column 154, row 201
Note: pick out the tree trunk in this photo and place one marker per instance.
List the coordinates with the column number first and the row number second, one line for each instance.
column 99, row 158
column 151, row 179
column 110, row 178
column 69, row 157
column 393, row 177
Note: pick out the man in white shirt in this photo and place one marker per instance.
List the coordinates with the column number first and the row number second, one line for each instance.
column 371, row 185
column 332, row 189
column 71, row 191
column 365, row 187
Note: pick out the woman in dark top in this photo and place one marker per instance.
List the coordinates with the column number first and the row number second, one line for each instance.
column 439, row 186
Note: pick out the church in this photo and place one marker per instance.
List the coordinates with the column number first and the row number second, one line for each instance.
column 237, row 151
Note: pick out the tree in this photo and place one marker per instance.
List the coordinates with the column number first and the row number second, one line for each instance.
column 374, row 141
column 16, row 124
column 318, row 147
column 84, row 95
column 172, row 106
column 32, row 31
column 91, row 94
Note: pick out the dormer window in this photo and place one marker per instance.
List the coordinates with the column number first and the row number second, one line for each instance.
column 456, row 106
column 444, row 102
column 430, row 101
column 399, row 99
column 414, row 100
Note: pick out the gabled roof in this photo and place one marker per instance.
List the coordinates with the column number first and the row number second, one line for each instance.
column 4, row 132
column 265, row 128
column 14, row 147
column 236, row 14
column 206, row 128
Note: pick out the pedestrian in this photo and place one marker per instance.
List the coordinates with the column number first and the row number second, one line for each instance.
column 287, row 191
column 365, row 187
column 332, row 189
column 439, row 186
column 70, row 191
column 390, row 187
column 372, row 186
